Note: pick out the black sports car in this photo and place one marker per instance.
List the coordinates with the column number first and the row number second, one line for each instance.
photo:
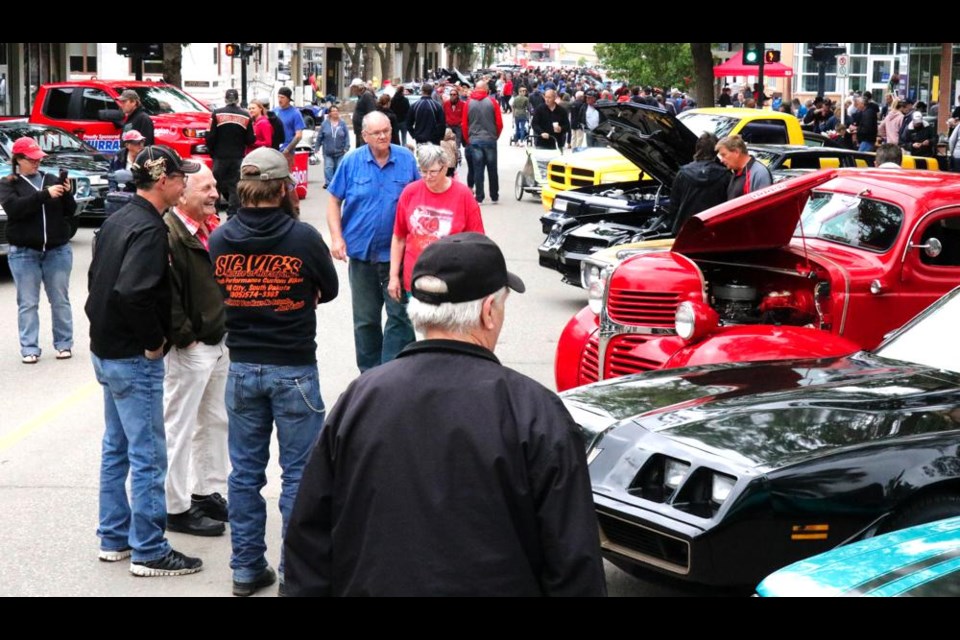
column 721, row 474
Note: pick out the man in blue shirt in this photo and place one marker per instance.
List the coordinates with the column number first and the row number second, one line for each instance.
column 363, row 207
column 292, row 121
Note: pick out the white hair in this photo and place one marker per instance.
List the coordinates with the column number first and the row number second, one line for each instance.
column 452, row 317
column 428, row 155
column 372, row 118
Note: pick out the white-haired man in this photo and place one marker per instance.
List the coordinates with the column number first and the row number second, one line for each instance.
column 444, row 472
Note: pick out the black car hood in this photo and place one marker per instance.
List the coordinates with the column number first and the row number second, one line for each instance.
column 770, row 414
column 651, row 138
column 88, row 162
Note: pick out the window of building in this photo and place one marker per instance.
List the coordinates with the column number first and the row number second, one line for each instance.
column 83, row 64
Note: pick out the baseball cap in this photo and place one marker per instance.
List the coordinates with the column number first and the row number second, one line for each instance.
column 356, row 82
column 470, row 264
column 231, row 96
column 160, row 160
column 132, row 136
column 130, row 94
column 271, row 164
column 29, row 148
column 917, row 116
column 285, row 91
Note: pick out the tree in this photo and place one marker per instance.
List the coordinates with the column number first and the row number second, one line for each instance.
column 385, row 51
column 703, row 73
column 354, row 54
column 664, row 64
column 462, row 53
column 410, row 60
column 173, row 62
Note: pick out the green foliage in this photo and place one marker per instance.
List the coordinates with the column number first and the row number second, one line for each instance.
column 663, row 64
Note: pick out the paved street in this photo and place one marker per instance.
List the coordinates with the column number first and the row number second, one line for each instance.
column 52, row 418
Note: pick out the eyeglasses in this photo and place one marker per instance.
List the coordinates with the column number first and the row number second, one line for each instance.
column 385, row 133
column 31, row 160
column 433, row 172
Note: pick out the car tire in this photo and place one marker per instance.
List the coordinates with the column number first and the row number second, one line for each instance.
column 922, row 511
column 518, row 185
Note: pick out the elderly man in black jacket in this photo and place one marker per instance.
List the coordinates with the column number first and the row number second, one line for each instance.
column 444, row 473
column 129, row 308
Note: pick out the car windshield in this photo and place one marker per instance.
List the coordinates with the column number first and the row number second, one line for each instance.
column 700, row 123
column 50, row 139
column 764, row 156
column 165, row 99
column 850, row 220
column 927, row 340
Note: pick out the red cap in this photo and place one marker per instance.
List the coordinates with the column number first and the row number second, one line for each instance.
column 28, row 146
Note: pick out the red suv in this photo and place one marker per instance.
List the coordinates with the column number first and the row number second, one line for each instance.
column 852, row 252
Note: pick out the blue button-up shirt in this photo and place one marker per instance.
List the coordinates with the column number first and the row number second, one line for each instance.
column 368, row 194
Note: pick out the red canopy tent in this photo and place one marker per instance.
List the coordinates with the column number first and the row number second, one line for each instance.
column 734, row 67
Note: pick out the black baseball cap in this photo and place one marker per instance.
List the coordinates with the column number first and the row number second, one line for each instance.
column 159, row 160
column 231, row 96
column 285, row 91
column 470, row 264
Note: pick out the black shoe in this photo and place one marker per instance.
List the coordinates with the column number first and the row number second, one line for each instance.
column 266, row 578
column 172, row 564
column 213, row 506
column 195, row 523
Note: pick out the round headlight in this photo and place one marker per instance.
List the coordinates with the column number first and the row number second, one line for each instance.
column 588, row 274
column 685, row 321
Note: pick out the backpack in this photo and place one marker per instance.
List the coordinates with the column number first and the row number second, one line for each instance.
column 278, row 134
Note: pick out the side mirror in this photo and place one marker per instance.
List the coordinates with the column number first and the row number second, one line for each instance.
column 110, row 115
column 933, row 248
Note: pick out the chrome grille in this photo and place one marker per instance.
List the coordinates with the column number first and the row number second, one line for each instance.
column 621, row 361
column 642, row 307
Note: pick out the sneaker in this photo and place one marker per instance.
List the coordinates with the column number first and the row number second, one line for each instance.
column 114, row 555
column 193, row 522
column 30, row 359
column 213, row 506
column 172, row 564
column 265, row 578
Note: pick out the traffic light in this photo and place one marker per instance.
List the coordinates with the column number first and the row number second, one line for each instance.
column 771, row 55
column 752, row 52
column 231, row 50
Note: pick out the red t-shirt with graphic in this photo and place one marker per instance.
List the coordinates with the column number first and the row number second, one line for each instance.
column 423, row 217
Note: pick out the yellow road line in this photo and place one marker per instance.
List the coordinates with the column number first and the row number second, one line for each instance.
column 47, row 415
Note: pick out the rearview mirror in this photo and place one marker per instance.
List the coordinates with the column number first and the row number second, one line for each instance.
column 110, row 115
column 932, row 248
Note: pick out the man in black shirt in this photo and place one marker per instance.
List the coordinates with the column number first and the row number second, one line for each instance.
column 444, row 473
column 231, row 132
column 551, row 123
column 136, row 117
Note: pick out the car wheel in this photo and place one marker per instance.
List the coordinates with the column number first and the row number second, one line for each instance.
column 518, row 186
column 74, row 225
column 928, row 509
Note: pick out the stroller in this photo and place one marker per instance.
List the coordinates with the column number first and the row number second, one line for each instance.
column 533, row 176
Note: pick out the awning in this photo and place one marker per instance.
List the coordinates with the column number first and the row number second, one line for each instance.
column 734, row 67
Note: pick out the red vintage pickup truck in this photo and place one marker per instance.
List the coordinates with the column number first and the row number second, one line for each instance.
column 90, row 110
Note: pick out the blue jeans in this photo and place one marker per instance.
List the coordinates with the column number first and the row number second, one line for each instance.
column 368, row 289
column 520, row 129
column 483, row 155
column 259, row 396
column 866, row 146
column 29, row 268
column 133, row 443
column 330, row 164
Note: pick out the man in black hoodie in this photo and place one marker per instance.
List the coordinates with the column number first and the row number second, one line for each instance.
column 867, row 129
column 273, row 271
column 699, row 185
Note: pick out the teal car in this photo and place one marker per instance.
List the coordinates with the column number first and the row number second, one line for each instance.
column 919, row 561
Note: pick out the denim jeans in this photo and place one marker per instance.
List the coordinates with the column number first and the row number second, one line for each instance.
column 483, row 155
column 866, row 146
column 520, row 129
column 368, row 289
column 134, row 444
column 330, row 164
column 259, row 396
column 29, row 268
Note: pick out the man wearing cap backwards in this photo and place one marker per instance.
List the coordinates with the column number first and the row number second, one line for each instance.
column 273, row 271
column 361, row 214
column 445, row 473
column 129, row 307
column 230, row 133
column 366, row 103
column 196, row 368
column 136, row 117
column 920, row 139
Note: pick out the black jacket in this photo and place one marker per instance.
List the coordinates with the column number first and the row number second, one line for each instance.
column 129, row 283
column 230, row 133
column 426, row 121
column 197, row 311
column 366, row 102
column 273, row 270
column 920, row 134
column 34, row 219
column 697, row 187
column 867, row 128
column 543, row 119
column 400, row 106
column 445, row 473
column 142, row 122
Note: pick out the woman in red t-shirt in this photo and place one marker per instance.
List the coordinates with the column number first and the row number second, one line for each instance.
column 429, row 209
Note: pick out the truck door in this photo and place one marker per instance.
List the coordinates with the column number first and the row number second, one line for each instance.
column 927, row 276
column 102, row 135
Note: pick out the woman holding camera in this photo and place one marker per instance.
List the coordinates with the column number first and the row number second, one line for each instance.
column 37, row 207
